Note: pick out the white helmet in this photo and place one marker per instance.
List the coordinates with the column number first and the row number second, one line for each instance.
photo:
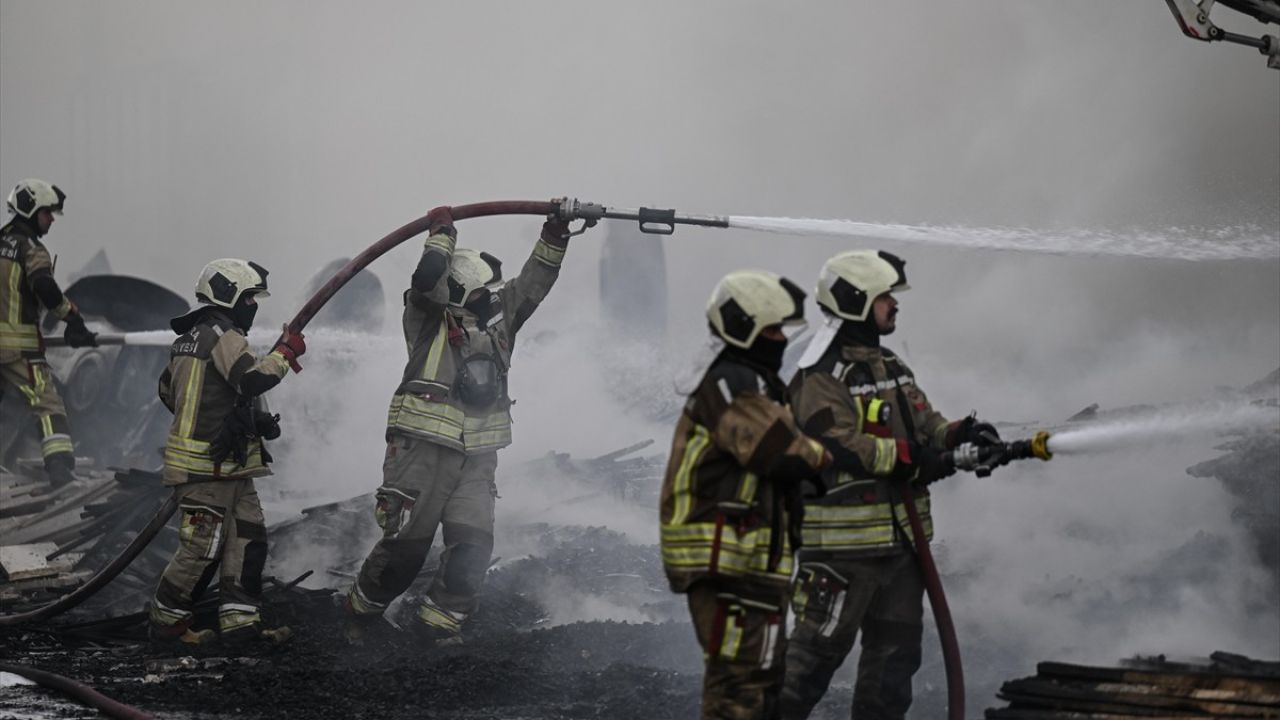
column 471, row 270
column 851, row 281
column 748, row 301
column 223, row 281
column 28, row 196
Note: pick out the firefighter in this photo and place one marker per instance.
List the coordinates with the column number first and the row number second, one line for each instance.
column 857, row 571
column 731, row 496
column 26, row 281
column 449, row 416
column 213, row 385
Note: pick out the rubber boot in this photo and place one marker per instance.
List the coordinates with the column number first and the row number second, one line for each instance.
column 59, row 468
column 171, row 639
column 256, row 638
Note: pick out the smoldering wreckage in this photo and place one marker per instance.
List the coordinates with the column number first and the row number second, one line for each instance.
column 84, row 641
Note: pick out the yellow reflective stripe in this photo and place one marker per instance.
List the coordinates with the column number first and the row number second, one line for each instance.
column 689, row 547
column 189, row 444
column 874, row 409
column 732, row 641
column 18, row 336
column 15, row 296
column 63, row 309
column 860, row 526
column 819, row 451
column 747, row 487
column 698, row 443
column 886, row 456
column 431, row 367
column 56, row 444
column 191, row 399
column 193, row 456
column 440, row 618
column 547, row 254
column 441, row 241
column 860, row 416
column 418, row 415
column 234, row 617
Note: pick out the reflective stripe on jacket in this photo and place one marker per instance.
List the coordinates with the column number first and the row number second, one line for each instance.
column 722, row 515
column 201, row 387
column 22, row 258
column 860, row 401
column 426, row 404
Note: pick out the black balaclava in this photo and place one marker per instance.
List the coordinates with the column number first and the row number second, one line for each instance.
column 482, row 305
column 242, row 314
column 764, row 353
column 860, row 332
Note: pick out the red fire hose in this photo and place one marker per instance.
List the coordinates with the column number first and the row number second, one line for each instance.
column 308, row 311
column 941, row 613
column 417, row 227
column 80, row 692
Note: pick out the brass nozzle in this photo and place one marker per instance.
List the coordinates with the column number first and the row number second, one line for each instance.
column 1040, row 446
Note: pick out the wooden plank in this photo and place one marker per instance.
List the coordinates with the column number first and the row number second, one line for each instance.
column 24, row 562
column 1031, row 714
column 1084, row 697
column 1202, row 679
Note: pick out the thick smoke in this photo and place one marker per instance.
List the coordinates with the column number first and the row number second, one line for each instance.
column 184, row 133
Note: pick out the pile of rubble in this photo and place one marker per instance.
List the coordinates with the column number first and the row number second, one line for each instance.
column 55, row 539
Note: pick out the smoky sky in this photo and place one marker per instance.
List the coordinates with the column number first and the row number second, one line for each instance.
column 296, row 131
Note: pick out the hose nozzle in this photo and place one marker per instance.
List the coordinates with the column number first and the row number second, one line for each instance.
column 1040, row 446
column 982, row 459
column 1036, row 447
column 651, row 220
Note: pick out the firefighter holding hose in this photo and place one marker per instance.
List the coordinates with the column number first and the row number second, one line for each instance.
column 26, row 282
column 857, row 571
column 731, row 496
column 449, row 416
column 214, row 452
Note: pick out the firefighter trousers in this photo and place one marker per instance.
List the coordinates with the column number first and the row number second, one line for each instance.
column 33, row 382
column 833, row 600
column 743, row 639
column 221, row 530
column 425, row 486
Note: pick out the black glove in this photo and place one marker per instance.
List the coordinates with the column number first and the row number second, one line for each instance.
column 77, row 335
column 792, row 471
column 266, row 424
column 921, row 463
column 973, row 430
column 233, row 437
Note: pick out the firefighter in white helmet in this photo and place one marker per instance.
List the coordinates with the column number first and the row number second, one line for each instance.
column 449, row 416
column 731, row 496
column 213, row 386
column 26, row 282
column 857, row 571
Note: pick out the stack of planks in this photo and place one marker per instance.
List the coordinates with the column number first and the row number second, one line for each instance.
column 1226, row 686
column 54, row 539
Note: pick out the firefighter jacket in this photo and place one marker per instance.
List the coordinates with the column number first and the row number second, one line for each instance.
column 724, row 508
column 211, row 370
column 432, row 401
column 24, row 261
column 860, row 401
